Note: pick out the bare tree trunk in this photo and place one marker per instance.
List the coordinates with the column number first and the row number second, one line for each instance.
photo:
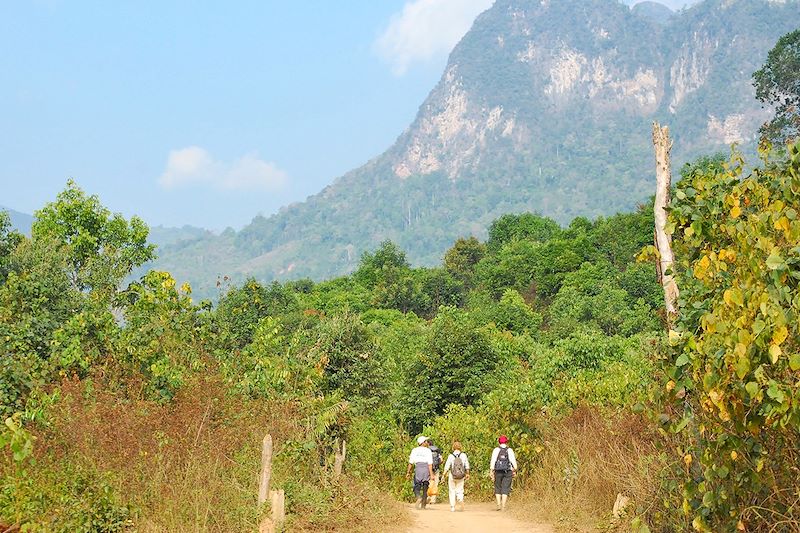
column 663, row 145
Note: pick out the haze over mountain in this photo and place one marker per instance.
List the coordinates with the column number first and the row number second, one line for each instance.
column 544, row 106
column 21, row 222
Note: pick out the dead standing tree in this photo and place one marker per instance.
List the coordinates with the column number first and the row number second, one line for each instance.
column 663, row 241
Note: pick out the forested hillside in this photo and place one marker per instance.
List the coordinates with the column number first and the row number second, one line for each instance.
column 136, row 408
column 543, row 107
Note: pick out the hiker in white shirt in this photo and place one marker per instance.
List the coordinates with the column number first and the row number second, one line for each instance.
column 504, row 468
column 421, row 459
column 457, row 470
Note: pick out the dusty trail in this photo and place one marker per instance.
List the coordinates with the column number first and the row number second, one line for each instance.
column 476, row 518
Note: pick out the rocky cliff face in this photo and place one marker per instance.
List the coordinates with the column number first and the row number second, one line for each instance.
column 545, row 105
column 589, row 64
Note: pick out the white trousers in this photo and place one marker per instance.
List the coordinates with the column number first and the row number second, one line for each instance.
column 455, row 489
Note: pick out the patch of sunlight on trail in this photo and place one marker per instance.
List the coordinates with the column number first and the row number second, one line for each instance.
column 476, row 518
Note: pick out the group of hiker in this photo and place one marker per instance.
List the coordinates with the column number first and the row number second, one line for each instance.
column 425, row 463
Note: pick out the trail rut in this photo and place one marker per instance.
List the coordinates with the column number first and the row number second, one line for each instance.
column 476, row 518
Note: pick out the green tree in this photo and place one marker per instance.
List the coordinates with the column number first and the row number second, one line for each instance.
column 440, row 288
column 526, row 226
column 9, row 239
column 103, row 248
column 777, row 85
column 35, row 301
column 346, row 352
column 461, row 258
column 336, row 296
column 513, row 314
column 620, row 238
column 457, row 367
column 388, row 257
column 241, row 310
column 511, row 267
column 162, row 336
column 271, row 366
column 398, row 288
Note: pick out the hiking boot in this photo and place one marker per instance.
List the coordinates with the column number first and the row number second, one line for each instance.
column 418, row 505
column 452, row 508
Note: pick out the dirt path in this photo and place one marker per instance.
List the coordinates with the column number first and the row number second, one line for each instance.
column 476, row 518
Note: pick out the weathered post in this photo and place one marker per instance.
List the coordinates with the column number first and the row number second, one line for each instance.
column 663, row 242
column 339, row 456
column 266, row 469
column 276, row 497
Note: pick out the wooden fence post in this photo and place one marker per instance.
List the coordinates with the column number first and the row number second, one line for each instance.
column 340, row 454
column 266, row 469
column 278, row 506
column 277, row 497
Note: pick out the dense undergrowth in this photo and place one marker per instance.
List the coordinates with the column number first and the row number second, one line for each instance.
column 134, row 407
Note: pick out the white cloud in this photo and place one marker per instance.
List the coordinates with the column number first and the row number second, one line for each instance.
column 426, row 29
column 195, row 166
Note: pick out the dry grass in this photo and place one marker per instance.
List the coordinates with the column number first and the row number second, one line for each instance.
column 192, row 465
column 588, row 458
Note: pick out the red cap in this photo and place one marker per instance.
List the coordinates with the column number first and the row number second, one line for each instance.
column 503, row 439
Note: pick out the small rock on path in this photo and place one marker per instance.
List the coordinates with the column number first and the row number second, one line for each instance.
column 476, row 518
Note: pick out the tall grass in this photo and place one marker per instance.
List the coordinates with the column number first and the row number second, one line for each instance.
column 587, row 458
column 190, row 465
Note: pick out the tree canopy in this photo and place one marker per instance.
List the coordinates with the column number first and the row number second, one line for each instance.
column 777, row 85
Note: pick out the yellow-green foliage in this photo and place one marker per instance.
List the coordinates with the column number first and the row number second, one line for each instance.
column 735, row 366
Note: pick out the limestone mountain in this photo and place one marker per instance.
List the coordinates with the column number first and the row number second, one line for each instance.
column 546, row 106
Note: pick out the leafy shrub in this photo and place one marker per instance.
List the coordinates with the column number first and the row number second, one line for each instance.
column 160, row 339
column 346, row 352
column 270, row 366
column 457, row 367
column 513, row 314
column 241, row 309
column 733, row 369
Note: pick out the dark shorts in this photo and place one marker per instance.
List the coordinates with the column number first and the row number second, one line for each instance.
column 421, row 490
column 502, row 482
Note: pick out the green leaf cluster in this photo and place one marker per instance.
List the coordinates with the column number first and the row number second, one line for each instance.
column 733, row 374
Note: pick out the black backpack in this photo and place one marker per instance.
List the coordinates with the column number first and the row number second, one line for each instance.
column 437, row 457
column 503, row 463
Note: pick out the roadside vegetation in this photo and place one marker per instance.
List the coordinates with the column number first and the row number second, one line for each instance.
column 130, row 406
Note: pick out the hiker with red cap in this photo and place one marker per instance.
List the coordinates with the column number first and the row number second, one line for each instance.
column 504, row 468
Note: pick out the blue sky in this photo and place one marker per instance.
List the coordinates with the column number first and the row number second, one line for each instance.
column 208, row 113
